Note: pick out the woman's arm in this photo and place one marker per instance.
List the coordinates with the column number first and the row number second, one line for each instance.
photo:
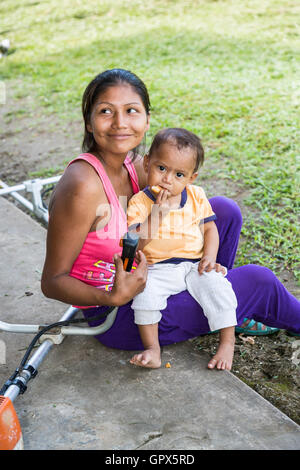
column 73, row 212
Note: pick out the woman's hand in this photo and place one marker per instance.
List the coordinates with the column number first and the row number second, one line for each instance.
column 128, row 284
column 207, row 264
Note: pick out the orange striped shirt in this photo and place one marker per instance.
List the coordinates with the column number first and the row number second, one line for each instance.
column 180, row 235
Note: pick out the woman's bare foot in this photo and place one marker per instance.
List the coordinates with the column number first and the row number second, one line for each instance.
column 149, row 358
column 223, row 358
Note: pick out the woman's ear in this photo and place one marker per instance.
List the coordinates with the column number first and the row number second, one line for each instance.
column 89, row 128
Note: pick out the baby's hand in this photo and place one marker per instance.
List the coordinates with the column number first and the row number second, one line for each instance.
column 208, row 264
column 162, row 205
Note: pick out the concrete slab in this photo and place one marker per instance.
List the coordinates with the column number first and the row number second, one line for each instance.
column 87, row 396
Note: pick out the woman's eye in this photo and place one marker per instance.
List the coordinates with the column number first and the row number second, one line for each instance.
column 161, row 168
column 180, row 175
column 105, row 111
column 131, row 110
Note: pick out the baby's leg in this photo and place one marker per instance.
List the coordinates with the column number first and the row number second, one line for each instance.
column 150, row 357
column 147, row 321
column 224, row 355
column 215, row 295
column 218, row 301
column 163, row 280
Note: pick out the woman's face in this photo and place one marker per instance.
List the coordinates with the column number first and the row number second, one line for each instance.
column 118, row 120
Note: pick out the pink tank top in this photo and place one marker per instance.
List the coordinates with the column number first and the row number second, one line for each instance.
column 94, row 264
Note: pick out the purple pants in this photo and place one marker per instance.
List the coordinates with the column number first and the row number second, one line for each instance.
column 260, row 295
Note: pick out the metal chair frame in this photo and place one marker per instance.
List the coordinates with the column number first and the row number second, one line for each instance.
column 36, row 206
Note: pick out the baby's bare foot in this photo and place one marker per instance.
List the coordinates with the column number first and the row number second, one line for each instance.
column 223, row 358
column 149, row 358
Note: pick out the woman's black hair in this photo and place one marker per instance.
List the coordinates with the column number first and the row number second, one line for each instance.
column 98, row 85
column 181, row 138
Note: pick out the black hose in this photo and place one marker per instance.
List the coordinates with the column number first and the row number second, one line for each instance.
column 57, row 324
column 130, row 243
column 41, row 332
column 44, row 194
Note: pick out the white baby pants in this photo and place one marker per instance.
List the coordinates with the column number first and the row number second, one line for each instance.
column 211, row 290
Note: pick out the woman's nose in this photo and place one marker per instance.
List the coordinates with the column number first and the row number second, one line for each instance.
column 119, row 120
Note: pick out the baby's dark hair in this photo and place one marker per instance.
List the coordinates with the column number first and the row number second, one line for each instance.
column 181, row 138
column 99, row 84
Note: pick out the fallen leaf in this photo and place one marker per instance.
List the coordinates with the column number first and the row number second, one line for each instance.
column 247, row 339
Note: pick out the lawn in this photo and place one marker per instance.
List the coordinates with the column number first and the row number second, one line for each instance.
column 227, row 70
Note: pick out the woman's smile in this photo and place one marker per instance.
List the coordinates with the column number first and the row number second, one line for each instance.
column 119, row 136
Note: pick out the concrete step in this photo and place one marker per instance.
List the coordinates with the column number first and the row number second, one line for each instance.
column 87, row 396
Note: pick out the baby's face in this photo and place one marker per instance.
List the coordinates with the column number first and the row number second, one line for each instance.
column 170, row 168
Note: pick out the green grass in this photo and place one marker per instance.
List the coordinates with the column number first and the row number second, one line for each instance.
column 227, row 70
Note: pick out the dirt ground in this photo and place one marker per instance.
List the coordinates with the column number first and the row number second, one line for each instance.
column 31, row 142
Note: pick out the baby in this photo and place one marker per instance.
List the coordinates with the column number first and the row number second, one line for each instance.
column 179, row 238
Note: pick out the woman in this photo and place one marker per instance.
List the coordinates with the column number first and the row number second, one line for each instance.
column 87, row 220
